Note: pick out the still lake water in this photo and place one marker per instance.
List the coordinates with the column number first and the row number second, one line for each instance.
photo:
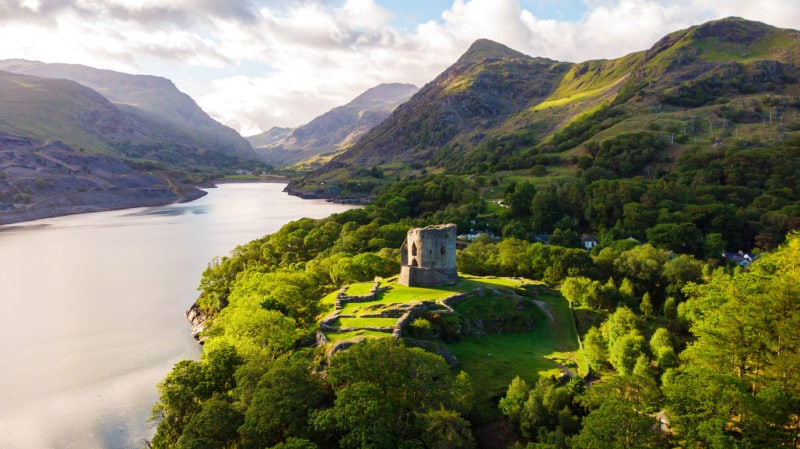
column 91, row 310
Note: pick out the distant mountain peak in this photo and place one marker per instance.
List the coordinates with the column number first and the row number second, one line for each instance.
column 483, row 49
column 732, row 29
column 386, row 93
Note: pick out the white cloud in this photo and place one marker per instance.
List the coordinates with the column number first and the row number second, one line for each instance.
column 312, row 55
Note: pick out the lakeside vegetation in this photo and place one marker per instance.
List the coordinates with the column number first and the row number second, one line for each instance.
column 638, row 308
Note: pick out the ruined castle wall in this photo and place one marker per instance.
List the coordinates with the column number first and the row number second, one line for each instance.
column 429, row 256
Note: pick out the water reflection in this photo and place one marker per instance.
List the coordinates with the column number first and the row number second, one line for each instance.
column 172, row 211
column 93, row 310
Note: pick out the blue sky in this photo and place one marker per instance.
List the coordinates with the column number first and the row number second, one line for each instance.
column 410, row 13
column 255, row 64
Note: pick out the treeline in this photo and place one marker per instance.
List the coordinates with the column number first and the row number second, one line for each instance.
column 715, row 365
column 713, row 199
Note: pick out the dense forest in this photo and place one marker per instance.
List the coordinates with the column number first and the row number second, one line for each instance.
column 685, row 349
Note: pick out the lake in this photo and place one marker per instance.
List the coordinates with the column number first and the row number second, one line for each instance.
column 92, row 310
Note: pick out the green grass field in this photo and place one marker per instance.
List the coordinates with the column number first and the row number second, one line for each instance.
column 360, row 289
column 492, row 361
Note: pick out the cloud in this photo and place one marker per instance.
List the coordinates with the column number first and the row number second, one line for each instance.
column 266, row 62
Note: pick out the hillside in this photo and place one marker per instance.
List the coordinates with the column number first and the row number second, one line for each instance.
column 499, row 111
column 333, row 131
column 149, row 98
column 43, row 179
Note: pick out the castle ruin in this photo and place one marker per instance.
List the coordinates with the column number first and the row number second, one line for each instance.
column 428, row 257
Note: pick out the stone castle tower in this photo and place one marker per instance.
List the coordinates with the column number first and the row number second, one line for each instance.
column 428, row 257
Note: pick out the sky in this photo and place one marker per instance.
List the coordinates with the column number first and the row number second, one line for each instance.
column 255, row 64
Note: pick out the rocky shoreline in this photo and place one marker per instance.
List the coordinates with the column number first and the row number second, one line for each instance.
column 116, row 201
column 197, row 318
column 48, row 179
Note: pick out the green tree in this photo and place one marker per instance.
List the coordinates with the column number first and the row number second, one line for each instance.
column 282, row 404
column 511, row 404
column 391, row 384
column 181, row 395
column 596, row 348
column 215, row 425
column 622, row 322
column 576, row 290
column 625, row 351
column 617, row 425
column 646, row 306
column 644, row 266
column 295, row 443
column 445, row 429
column 680, row 271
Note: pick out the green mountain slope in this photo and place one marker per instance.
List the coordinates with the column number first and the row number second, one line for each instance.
column 58, row 109
column 497, row 110
column 54, row 109
column 484, row 87
column 150, row 98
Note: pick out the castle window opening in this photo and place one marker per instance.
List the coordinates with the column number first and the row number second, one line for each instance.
column 442, row 250
column 414, row 249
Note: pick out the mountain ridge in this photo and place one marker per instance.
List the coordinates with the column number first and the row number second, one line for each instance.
column 334, row 130
column 151, row 98
column 482, row 114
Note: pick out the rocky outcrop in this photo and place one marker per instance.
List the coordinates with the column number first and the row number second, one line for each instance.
column 198, row 320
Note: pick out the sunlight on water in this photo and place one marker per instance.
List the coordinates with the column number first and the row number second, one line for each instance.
column 92, row 310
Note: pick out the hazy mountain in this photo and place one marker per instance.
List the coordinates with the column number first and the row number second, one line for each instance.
column 271, row 137
column 65, row 148
column 151, row 98
column 496, row 109
column 335, row 130
column 59, row 109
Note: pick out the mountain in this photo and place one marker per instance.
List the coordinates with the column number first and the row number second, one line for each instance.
column 498, row 110
column 65, row 148
column 41, row 179
column 333, row 131
column 268, row 138
column 149, row 98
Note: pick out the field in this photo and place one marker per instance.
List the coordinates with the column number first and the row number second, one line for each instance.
column 509, row 327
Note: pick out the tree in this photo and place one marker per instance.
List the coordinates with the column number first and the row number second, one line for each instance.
column 181, row 396
column 678, row 237
column 622, row 322
column 519, row 200
column 215, row 425
column 576, row 290
column 617, row 425
column 744, row 357
column 391, row 384
column 282, row 404
column 646, row 306
column 643, row 265
column 511, row 404
column 625, row 351
column 295, row 443
column 680, row 271
column 545, row 211
column 445, row 429
column 596, row 348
